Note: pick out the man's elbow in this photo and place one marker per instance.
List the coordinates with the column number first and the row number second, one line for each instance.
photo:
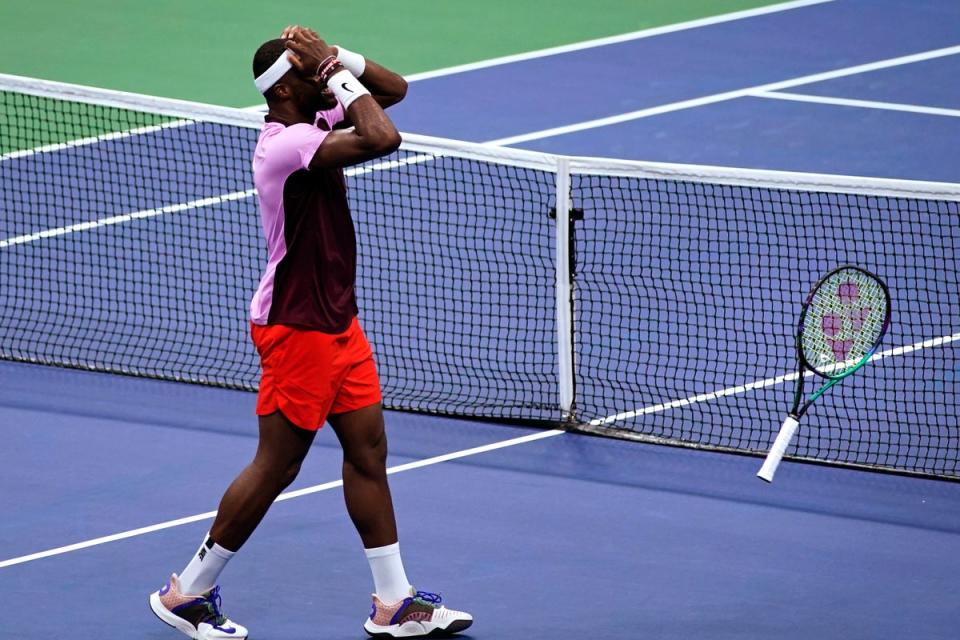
column 391, row 142
column 398, row 91
column 384, row 142
column 401, row 91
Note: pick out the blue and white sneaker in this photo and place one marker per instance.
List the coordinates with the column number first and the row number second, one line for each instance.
column 197, row 617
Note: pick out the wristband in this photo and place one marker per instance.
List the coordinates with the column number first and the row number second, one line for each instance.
column 346, row 87
column 327, row 68
column 352, row 62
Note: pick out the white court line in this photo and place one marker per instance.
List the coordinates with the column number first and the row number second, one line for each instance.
column 536, row 135
column 764, row 90
column 190, row 206
column 127, row 217
column 617, row 39
column 132, row 533
column 105, row 137
column 728, row 95
column 480, row 64
column 413, row 78
column 760, row 384
column 849, row 102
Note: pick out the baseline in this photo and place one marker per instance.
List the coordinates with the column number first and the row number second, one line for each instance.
column 863, row 104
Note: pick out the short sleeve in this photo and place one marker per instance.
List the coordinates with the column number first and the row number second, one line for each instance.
column 332, row 117
column 294, row 147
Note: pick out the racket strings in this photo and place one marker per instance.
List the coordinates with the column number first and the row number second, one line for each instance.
column 845, row 321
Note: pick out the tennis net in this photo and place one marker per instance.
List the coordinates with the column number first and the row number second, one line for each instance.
column 659, row 305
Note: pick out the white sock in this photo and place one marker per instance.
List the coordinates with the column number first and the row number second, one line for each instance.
column 389, row 579
column 205, row 567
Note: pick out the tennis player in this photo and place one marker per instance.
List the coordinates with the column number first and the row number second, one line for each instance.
column 317, row 363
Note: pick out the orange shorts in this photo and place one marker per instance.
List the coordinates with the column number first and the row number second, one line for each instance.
column 309, row 375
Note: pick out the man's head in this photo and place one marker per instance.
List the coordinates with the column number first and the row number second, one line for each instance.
column 305, row 94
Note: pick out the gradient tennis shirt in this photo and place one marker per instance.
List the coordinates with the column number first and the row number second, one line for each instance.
column 312, row 247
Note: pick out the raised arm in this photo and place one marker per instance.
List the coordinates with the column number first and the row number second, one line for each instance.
column 388, row 88
column 373, row 135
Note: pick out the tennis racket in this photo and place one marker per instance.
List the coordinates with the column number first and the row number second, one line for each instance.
column 843, row 320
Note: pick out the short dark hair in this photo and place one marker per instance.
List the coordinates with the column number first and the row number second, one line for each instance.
column 265, row 56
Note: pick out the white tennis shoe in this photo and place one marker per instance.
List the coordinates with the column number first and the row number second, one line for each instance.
column 197, row 617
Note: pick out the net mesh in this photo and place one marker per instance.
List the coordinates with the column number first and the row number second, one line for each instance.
column 455, row 285
column 130, row 242
column 157, row 249
column 696, row 289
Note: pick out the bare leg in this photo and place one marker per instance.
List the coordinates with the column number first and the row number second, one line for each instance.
column 281, row 450
column 368, row 499
column 365, row 487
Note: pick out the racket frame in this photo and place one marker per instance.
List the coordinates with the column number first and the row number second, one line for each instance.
column 790, row 424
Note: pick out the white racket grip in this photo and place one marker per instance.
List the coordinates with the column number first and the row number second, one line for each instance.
column 778, row 449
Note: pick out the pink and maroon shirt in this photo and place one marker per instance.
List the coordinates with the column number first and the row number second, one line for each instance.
column 311, row 243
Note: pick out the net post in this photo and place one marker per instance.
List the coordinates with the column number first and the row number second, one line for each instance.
column 564, row 290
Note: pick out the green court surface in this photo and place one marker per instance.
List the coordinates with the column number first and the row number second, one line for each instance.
column 201, row 50
column 51, row 123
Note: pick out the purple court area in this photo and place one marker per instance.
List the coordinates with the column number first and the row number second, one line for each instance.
column 567, row 536
column 532, row 538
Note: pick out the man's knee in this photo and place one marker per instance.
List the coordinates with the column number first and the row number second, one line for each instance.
column 368, row 458
column 290, row 474
column 280, row 474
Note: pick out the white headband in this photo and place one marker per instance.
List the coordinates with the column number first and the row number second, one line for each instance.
column 269, row 77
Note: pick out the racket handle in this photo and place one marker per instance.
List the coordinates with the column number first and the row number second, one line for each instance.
column 778, row 449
